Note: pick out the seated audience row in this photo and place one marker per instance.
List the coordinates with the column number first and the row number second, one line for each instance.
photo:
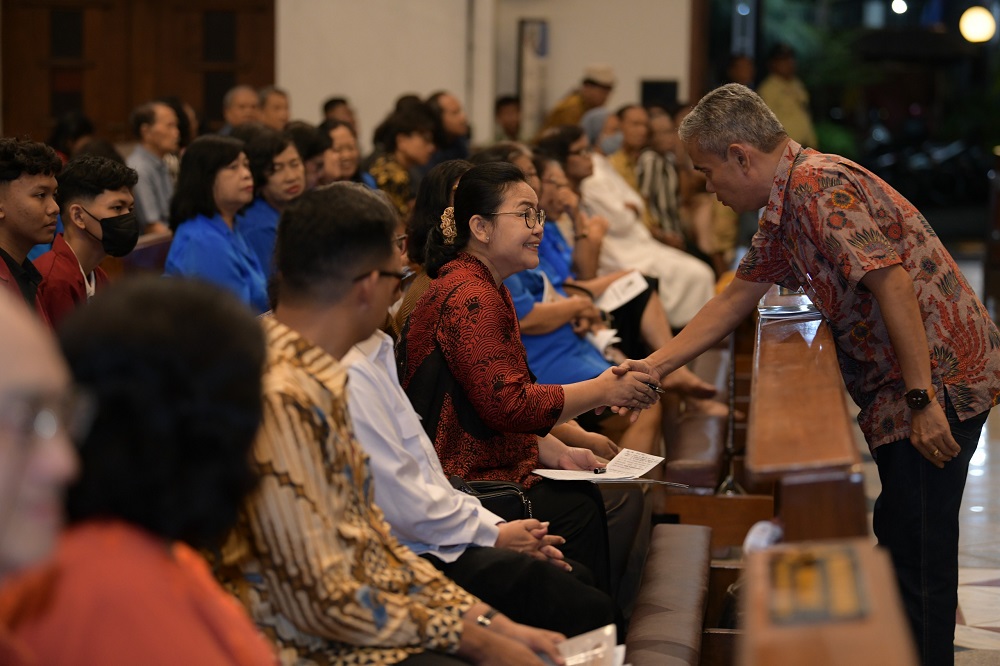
column 243, row 205
column 191, row 499
column 313, row 557
column 466, row 373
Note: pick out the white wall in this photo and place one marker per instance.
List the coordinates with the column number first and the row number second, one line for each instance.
column 372, row 51
column 641, row 39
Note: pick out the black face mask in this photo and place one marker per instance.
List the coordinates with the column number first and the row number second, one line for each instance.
column 119, row 234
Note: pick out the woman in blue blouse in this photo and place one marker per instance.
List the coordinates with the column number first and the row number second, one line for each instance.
column 214, row 183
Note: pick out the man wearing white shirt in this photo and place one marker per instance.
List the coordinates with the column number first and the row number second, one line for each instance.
column 686, row 283
column 513, row 566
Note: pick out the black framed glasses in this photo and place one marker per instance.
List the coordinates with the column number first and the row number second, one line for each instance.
column 532, row 216
column 581, row 151
column 32, row 416
column 400, row 241
column 398, row 275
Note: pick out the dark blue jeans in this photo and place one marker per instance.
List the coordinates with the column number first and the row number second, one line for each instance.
column 916, row 520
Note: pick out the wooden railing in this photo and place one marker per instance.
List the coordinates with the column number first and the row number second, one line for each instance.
column 825, row 596
column 799, row 433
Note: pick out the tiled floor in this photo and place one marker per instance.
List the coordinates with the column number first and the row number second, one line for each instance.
column 979, row 547
column 979, row 543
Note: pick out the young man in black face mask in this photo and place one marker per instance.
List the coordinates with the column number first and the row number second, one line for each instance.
column 96, row 203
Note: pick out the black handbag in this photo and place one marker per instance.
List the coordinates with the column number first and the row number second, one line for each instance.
column 504, row 498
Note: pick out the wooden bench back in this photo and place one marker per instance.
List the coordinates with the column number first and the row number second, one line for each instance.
column 149, row 256
column 800, row 436
column 799, row 432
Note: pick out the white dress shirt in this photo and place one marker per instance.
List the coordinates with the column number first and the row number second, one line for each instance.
column 686, row 283
column 426, row 513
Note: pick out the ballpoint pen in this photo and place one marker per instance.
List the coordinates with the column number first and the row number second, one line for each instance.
column 600, row 470
column 655, row 388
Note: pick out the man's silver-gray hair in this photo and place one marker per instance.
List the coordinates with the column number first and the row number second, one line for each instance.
column 732, row 114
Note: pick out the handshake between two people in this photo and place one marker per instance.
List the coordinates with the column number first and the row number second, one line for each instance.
column 630, row 387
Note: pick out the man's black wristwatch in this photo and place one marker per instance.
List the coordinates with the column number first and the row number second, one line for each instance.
column 917, row 399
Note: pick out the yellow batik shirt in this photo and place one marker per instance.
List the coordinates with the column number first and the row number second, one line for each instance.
column 312, row 557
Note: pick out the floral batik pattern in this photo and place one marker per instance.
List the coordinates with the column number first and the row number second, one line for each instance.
column 829, row 222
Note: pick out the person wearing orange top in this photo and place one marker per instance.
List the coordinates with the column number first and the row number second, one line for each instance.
column 38, row 410
column 174, row 368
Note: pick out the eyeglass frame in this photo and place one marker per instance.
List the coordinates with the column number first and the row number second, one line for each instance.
column 539, row 216
column 43, row 415
column 401, row 276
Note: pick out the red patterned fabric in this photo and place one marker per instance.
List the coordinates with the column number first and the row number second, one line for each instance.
column 466, row 372
column 828, row 222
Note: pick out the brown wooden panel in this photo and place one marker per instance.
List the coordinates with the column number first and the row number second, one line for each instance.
column 729, row 516
column 25, row 35
column 106, row 87
column 823, row 505
column 718, row 647
column 149, row 55
column 134, row 51
column 722, row 574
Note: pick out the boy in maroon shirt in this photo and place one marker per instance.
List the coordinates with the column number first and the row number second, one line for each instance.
column 95, row 200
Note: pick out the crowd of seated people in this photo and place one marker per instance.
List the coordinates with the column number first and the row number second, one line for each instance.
column 319, row 523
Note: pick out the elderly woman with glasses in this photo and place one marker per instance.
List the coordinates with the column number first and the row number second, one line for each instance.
column 466, row 372
column 213, row 187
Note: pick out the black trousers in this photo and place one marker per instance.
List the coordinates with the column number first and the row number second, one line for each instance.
column 575, row 511
column 629, row 517
column 916, row 520
column 531, row 591
column 606, row 529
column 628, row 320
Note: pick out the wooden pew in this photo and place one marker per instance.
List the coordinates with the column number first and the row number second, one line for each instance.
column 800, row 444
column 666, row 625
column 799, row 434
column 149, row 256
column 799, row 437
column 697, row 454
